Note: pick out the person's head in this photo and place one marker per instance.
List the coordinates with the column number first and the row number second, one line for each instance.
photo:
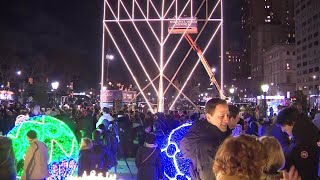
column 31, row 135
column 86, row 143
column 287, row 118
column 243, row 156
column 275, row 156
column 36, row 110
column 151, row 138
column 96, row 135
column 217, row 113
column 234, row 116
column 105, row 110
column 297, row 105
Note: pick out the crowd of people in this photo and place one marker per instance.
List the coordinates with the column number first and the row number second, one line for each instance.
column 290, row 143
column 224, row 142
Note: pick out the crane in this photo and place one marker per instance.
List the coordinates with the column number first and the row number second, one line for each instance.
column 205, row 63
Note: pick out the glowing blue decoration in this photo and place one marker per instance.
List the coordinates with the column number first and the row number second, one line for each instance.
column 176, row 167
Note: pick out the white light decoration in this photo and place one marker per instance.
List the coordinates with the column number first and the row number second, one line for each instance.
column 109, row 57
column 136, row 44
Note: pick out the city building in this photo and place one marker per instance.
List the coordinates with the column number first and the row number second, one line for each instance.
column 264, row 24
column 234, row 65
column 307, row 14
column 280, row 69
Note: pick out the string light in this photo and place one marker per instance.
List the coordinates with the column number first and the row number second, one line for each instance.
column 61, row 142
column 175, row 166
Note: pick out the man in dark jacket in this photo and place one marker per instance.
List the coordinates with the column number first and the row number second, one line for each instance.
column 7, row 159
column 204, row 137
column 148, row 160
column 303, row 151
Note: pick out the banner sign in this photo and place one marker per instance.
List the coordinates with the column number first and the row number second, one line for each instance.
column 111, row 95
column 127, row 96
column 179, row 26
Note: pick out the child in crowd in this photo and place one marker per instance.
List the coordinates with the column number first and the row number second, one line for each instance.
column 275, row 158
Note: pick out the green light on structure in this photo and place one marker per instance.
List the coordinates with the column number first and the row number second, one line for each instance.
column 60, row 140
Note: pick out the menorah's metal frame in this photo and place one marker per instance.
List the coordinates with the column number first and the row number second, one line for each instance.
column 119, row 8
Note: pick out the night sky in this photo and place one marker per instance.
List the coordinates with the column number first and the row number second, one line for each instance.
column 68, row 33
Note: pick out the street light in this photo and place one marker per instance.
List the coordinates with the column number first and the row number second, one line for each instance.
column 19, row 72
column 265, row 89
column 214, row 70
column 231, row 90
column 108, row 57
column 55, row 86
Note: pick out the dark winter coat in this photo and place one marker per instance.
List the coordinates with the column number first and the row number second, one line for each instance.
column 151, row 168
column 7, row 159
column 110, row 142
column 100, row 154
column 253, row 127
column 200, row 145
column 303, row 151
column 86, row 161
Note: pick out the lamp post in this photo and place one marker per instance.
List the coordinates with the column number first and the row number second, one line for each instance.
column 54, row 86
column 317, row 91
column 265, row 89
column 108, row 57
column 20, row 85
column 231, row 90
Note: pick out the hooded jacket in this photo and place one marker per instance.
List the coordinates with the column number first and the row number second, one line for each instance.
column 7, row 159
column 105, row 119
column 200, row 145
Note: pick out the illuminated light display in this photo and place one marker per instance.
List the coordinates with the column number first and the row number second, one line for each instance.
column 63, row 147
column 145, row 18
column 94, row 176
column 6, row 95
column 175, row 166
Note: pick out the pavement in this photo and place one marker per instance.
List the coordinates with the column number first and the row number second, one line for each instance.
column 123, row 172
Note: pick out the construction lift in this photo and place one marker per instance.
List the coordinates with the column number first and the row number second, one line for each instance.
column 187, row 27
